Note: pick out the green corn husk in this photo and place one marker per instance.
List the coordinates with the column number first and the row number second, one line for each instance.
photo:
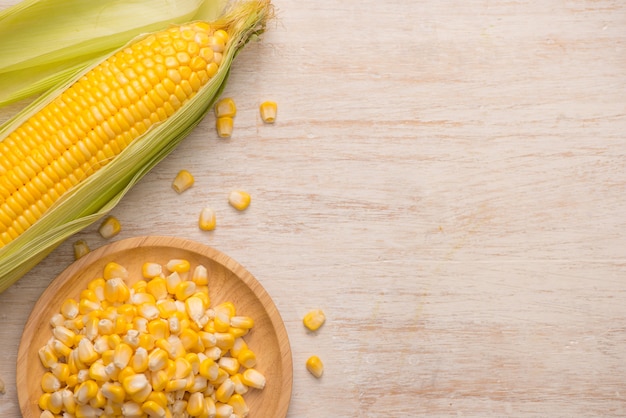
column 46, row 42
column 93, row 198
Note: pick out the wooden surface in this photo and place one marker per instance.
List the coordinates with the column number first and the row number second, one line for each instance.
column 229, row 282
column 446, row 180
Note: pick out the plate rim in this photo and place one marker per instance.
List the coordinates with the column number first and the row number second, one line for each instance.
column 186, row 244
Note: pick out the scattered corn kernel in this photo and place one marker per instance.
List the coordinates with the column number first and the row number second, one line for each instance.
column 268, row 111
column 239, row 199
column 224, row 126
column 314, row 319
column 110, row 227
column 315, row 366
column 80, row 249
column 207, row 221
column 225, row 107
column 183, row 181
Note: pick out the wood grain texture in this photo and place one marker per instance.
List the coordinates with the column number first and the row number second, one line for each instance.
column 446, row 179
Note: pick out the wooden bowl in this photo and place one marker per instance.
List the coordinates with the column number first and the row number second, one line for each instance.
column 228, row 281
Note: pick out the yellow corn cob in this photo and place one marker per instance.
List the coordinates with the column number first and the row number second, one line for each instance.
column 95, row 119
column 75, row 152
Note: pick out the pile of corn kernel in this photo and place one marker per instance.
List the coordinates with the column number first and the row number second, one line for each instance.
column 155, row 349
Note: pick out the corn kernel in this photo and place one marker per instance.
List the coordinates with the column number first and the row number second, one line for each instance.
column 113, row 391
column 178, row 265
column 240, row 408
column 159, row 397
column 225, row 107
column 268, row 111
column 81, row 248
column 55, row 402
column 175, row 385
column 196, row 405
column 57, row 319
column 140, row 362
column 69, row 402
column 314, row 319
column 225, row 391
column 239, row 199
column 157, row 359
column 50, row 383
column 86, row 391
column 153, row 409
column 150, row 270
column 224, row 126
column 230, row 364
column 135, row 383
column 115, row 290
column 131, row 409
column 223, row 410
column 110, row 227
column 122, row 355
column 183, row 181
column 240, row 387
column 184, row 290
column 200, row 275
column 64, row 335
column 247, row 358
column 114, row 270
column 242, row 322
column 48, row 356
column 207, row 220
column 315, row 366
column 224, row 340
column 208, row 369
column 124, row 373
column 98, row 401
column 61, row 371
column 238, row 346
column 172, row 281
column 69, row 308
column 253, row 378
column 98, row 372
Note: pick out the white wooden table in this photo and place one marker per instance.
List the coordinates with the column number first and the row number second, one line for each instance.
column 446, row 180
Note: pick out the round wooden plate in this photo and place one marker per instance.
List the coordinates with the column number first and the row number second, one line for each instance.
column 228, row 281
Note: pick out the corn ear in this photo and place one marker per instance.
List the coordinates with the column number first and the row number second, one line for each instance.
column 97, row 194
column 46, row 42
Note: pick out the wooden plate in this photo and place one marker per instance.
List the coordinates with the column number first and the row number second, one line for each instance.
column 228, row 281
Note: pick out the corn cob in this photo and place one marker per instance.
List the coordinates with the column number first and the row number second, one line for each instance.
column 69, row 158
